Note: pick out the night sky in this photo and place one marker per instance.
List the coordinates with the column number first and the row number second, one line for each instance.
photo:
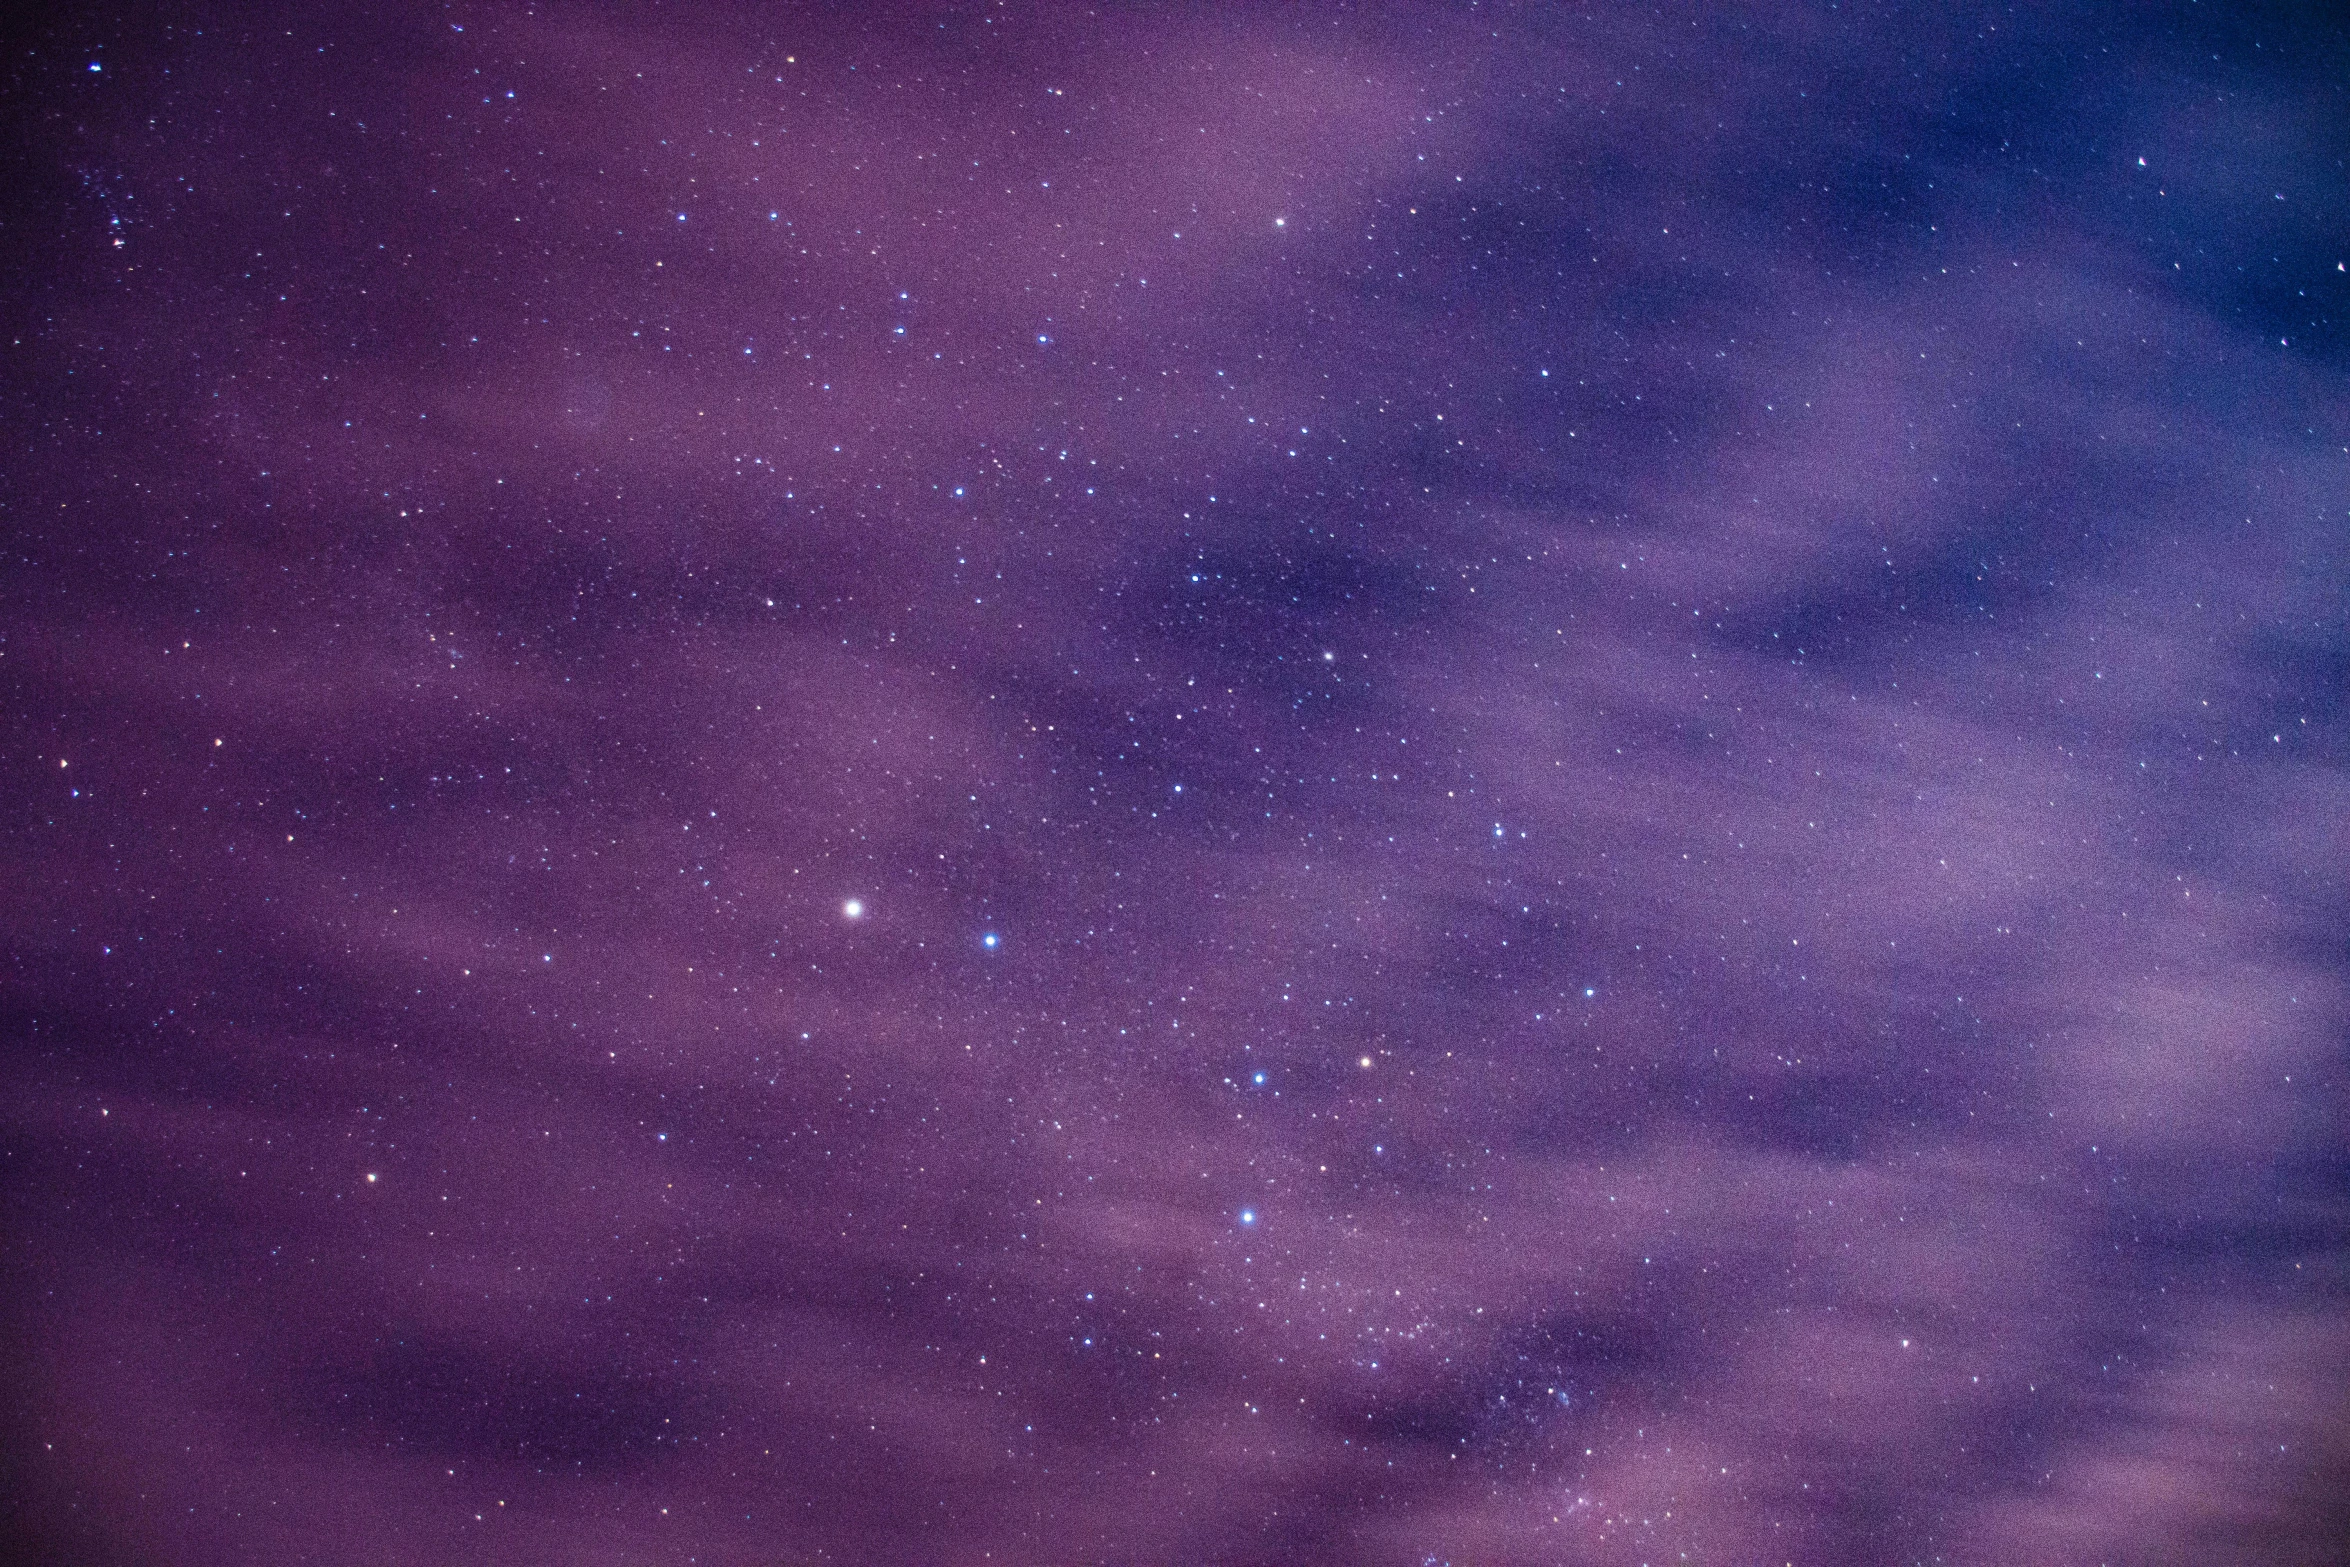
column 1003, row 784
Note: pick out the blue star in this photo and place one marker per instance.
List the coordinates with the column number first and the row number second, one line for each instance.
column 1248, row 1215
column 988, row 941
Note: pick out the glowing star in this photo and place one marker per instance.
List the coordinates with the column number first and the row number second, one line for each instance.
column 988, row 941
column 371, row 1182
column 854, row 909
column 1248, row 1215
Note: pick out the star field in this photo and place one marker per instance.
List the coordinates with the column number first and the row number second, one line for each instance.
column 1035, row 784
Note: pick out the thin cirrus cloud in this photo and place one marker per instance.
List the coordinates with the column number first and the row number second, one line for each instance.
column 1589, row 767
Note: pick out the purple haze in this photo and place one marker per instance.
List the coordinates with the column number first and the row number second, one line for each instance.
column 1592, row 763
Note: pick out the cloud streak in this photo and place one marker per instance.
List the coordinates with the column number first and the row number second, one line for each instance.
column 1592, row 766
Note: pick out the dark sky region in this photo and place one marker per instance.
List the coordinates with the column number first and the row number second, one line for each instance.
column 998, row 784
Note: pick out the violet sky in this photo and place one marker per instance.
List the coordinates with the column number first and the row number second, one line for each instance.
column 1244, row 784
